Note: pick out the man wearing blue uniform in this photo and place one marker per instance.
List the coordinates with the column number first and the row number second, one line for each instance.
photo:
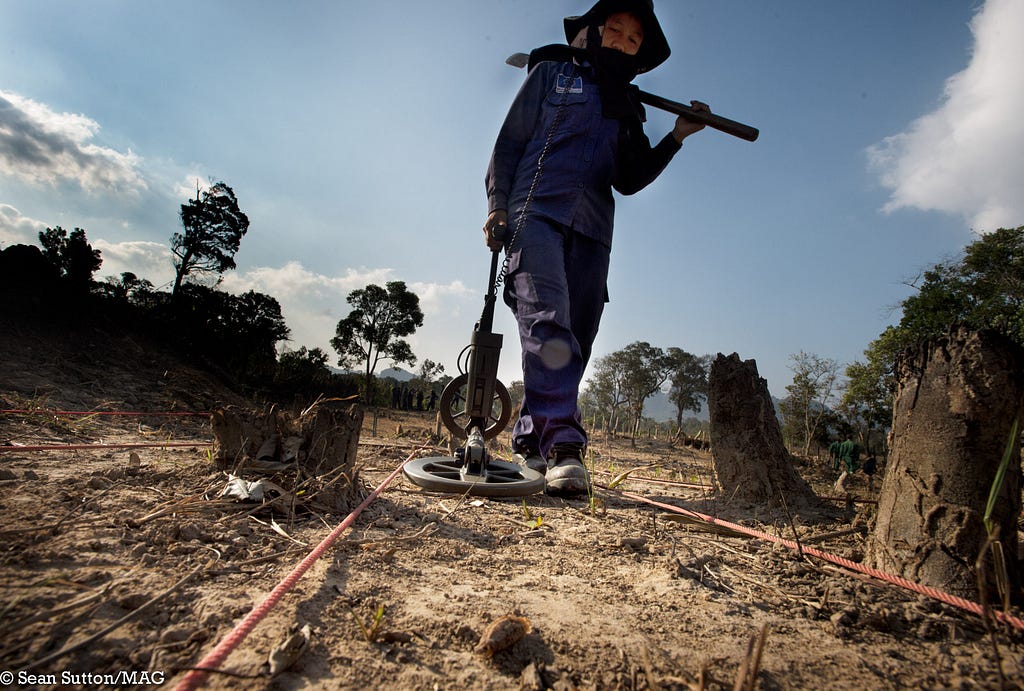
column 573, row 133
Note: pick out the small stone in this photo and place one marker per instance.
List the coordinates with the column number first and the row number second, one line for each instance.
column 503, row 633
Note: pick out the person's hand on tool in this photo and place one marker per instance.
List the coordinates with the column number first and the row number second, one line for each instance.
column 684, row 128
column 495, row 229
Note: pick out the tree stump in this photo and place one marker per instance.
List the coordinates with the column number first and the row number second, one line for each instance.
column 956, row 400
column 747, row 451
column 316, row 449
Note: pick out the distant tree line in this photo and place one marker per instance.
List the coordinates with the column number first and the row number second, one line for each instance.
column 234, row 335
column 981, row 289
column 238, row 335
column 623, row 381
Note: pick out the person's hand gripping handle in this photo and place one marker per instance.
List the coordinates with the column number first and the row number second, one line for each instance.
column 495, row 230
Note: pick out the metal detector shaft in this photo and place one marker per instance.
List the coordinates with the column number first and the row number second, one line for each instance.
column 485, row 349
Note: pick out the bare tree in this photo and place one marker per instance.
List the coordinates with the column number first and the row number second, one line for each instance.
column 810, row 394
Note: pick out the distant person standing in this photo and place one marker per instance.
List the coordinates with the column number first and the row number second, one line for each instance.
column 849, row 453
column 835, row 454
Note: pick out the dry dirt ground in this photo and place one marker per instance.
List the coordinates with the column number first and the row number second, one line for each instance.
column 124, row 560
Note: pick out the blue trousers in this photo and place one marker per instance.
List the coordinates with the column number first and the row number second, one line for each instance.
column 556, row 285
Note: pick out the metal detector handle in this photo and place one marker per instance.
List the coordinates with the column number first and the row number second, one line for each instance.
column 486, row 322
column 736, row 129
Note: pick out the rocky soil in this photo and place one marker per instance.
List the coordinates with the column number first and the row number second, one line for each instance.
column 126, row 560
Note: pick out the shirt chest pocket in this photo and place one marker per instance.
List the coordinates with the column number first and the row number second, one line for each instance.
column 570, row 102
column 567, row 89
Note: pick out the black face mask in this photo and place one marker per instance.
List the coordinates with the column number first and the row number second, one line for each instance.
column 613, row 67
column 614, row 70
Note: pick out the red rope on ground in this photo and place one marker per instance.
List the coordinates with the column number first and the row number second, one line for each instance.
column 216, row 657
column 80, row 447
column 934, row 593
column 39, row 411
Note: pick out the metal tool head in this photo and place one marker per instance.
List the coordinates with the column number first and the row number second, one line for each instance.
column 518, row 60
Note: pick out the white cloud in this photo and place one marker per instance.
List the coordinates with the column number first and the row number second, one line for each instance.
column 41, row 146
column 147, row 260
column 312, row 304
column 186, row 189
column 16, row 229
column 967, row 156
column 436, row 298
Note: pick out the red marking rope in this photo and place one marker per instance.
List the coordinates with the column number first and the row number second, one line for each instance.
column 216, row 657
column 80, row 447
column 934, row 593
column 38, row 411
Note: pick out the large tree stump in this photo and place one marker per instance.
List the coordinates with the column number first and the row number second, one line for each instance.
column 956, row 400
column 315, row 450
column 747, row 451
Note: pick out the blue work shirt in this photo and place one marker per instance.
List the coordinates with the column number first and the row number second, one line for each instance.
column 588, row 155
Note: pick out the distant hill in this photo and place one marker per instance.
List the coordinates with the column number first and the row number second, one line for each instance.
column 396, row 373
column 392, row 372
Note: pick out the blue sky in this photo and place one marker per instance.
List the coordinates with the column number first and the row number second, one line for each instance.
column 356, row 136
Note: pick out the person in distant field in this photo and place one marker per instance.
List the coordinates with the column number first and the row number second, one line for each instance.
column 849, row 453
column 834, row 454
column 419, row 400
column 573, row 133
column 432, row 401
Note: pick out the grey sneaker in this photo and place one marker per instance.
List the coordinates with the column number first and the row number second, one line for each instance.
column 530, row 458
column 567, row 477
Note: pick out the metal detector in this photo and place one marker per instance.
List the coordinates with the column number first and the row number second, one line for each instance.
column 476, row 406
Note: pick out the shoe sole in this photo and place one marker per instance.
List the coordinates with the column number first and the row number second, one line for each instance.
column 566, row 487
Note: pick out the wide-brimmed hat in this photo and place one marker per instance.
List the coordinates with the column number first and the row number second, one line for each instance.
column 654, row 48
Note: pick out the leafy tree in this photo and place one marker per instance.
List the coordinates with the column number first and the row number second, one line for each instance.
column 688, row 381
column 239, row 332
column 214, row 227
column 810, row 395
column 867, row 398
column 127, row 288
column 604, row 389
column 982, row 289
column 255, row 318
column 644, row 369
column 302, row 370
column 375, row 329
column 429, row 370
column 73, row 257
column 517, row 392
